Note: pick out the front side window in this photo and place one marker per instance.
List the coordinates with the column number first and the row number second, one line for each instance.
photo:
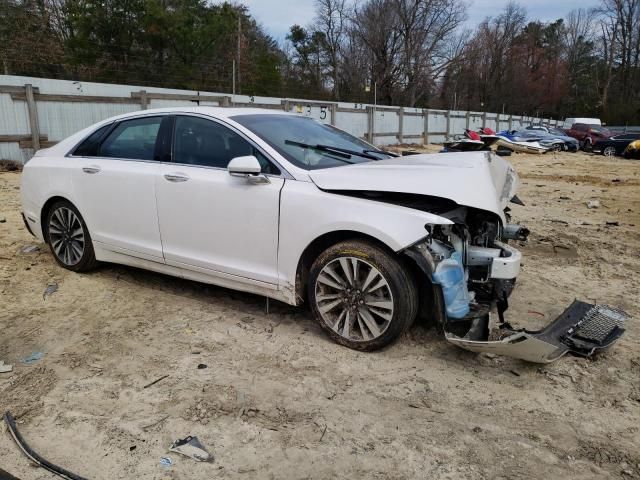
column 198, row 141
column 135, row 139
column 307, row 143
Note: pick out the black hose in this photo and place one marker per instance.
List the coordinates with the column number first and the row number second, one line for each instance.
column 33, row 456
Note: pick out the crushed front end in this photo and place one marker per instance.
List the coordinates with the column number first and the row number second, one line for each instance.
column 473, row 270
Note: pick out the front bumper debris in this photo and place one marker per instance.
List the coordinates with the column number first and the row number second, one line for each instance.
column 582, row 329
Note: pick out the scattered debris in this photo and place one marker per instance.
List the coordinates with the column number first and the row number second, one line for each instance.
column 32, row 357
column 323, row 432
column 533, row 312
column 166, row 462
column 192, row 448
column 150, row 426
column 565, row 198
column 514, row 373
column 155, row 381
column 613, row 224
column 616, row 180
column 477, row 429
column 554, row 220
column 3, row 220
column 33, row 456
column 593, row 204
column 30, row 249
column 5, row 368
column 201, row 366
column 132, row 448
column 50, row 290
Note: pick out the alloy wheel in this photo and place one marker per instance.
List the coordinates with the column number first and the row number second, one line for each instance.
column 609, row 152
column 354, row 299
column 66, row 236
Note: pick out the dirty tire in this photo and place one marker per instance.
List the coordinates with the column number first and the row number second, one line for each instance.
column 87, row 259
column 398, row 285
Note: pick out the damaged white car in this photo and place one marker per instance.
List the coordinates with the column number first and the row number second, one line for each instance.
column 287, row 207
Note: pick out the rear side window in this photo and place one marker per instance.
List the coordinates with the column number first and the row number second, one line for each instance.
column 135, row 139
column 89, row 148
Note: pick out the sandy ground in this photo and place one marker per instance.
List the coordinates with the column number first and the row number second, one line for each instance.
column 279, row 400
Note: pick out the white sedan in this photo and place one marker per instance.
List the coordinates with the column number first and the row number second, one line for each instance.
column 286, row 207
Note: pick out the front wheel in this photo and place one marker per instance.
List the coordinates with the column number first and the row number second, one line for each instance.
column 362, row 296
column 68, row 237
column 609, row 152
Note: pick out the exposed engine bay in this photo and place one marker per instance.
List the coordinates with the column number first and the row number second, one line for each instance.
column 473, row 270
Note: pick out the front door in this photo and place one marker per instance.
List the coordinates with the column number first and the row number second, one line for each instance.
column 210, row 221
column 114, row 183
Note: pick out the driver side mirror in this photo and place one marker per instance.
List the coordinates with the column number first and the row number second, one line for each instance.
column 249, row 168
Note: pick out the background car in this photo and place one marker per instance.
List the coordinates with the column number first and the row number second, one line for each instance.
column 615, row 145
column 588, row 134
column 568, row 122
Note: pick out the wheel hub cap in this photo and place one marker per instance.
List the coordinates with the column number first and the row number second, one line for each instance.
column 66, row 236
column 354, row 299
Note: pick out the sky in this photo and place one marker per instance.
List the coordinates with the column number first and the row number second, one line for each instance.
column 276, row 16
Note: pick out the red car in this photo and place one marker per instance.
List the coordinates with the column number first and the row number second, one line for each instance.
column 587, row 134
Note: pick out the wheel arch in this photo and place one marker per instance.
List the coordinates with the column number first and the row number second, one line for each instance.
column 319, row 245
column 44, row 211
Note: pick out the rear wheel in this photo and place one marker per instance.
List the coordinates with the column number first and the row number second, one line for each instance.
column 69, row 238
column 609, row 151
column 586, row 145
column 362, row 296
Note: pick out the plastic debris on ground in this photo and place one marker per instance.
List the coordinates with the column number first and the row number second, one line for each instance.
column 30, row 249
column 5, row 368
column 50, row 290
column 192, row 448
column 166, row 462
column 33, row 357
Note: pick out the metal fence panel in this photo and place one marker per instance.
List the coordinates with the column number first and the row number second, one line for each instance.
column 64, row 107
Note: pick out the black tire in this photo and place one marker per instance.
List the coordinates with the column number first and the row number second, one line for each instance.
column 87, row 259
column 398, row 281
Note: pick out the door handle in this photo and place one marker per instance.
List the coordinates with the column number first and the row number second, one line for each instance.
column 176, row 177
column 91, row 169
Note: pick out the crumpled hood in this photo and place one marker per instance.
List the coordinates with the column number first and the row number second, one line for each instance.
column 474, row 179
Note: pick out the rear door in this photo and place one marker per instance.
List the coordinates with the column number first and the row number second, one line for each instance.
column 211, row 222
column 114, row 184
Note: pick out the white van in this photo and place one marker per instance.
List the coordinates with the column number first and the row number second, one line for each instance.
column 568, row 122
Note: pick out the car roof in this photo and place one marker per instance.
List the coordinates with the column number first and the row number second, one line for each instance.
column 217, row 112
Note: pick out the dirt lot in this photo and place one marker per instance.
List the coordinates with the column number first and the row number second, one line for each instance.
column 279, row 400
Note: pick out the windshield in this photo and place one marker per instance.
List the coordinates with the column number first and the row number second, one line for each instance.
column 307, row 143
column 598, row 129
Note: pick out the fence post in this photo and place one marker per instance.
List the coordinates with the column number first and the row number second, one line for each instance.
column 467, row 120
column 286, row 106
column 33, row 116
column 400, row 125
column 226, row 101
column 484, row 120
column 426, row 126
column 144, row 100
column 370, row 124
column 510, row 122
column 448, row 132
column 334, row 112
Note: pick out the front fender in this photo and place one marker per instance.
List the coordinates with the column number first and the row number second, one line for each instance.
column 307, row 213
